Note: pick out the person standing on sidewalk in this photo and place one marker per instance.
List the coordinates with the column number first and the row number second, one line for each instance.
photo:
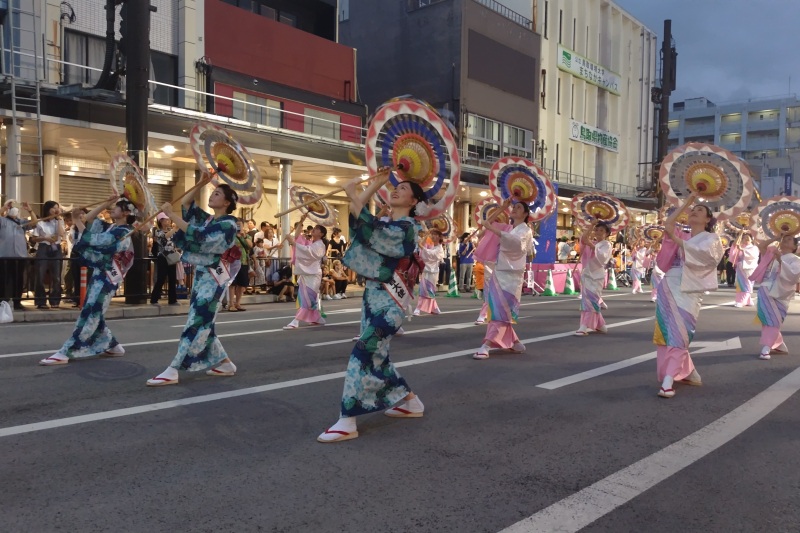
column 165, row 271
column 48, row 235
column 108, row 250
column 13, row 253
column 465, row 262
column 203, row 237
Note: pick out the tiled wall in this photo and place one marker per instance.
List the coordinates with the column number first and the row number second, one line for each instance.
column 90, row 17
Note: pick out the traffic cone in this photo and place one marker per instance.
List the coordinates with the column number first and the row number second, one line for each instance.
column 612, row 281
column 452, row 289
column 569, row 285
column 548, row 286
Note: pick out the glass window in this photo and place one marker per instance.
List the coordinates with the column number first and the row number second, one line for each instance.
column 256, row 109
column 164, row 69
column 269, row 12
column 85, row 50
column 288, row 19
column 322, row 123
column 344, row 10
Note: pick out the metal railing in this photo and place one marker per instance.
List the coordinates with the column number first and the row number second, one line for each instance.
column 510, row 14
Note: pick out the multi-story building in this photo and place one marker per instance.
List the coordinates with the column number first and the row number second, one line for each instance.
column 270, row 71
column 563, row 82
column 765, row 132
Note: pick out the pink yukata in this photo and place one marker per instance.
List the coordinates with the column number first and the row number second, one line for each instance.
column 593, row 272
column 503, row 289
column 428, row 278
column 745, row 260
column 690, row 271
column 308, row 269
column 638, row 269
column 775, row 292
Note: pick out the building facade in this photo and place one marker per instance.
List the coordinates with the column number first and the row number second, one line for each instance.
column 270, row 71
column 765, row 132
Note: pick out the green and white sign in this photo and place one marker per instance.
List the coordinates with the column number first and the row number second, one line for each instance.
column 579, row 66
column 578, row 131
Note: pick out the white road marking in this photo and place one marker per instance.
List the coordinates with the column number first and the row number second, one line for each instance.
column 128, row 411
column 289, row 317
column 592, row 503
column 704, row 347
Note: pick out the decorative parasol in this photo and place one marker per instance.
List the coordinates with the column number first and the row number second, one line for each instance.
column 652, row 232
column 443, row 224
column 229, row 161
column 514, row 177
column 486, row 207
column 410, row 137
column 779, row 214
column 318, row 211
column 725, row 239
column 128, row 181
column 681, row 224
column 589, row 208
column 716, row 175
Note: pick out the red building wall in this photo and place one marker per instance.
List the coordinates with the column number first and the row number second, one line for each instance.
column 349, row 130
column 254, row 45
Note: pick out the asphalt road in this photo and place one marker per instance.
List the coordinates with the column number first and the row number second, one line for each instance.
column 87, row 447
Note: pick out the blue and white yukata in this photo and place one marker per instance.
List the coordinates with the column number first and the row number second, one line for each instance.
column 378, row 249
column 107, row 250
column 203, row 243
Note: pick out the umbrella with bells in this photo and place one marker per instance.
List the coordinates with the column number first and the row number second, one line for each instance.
column 318, row 211
column 589, row 208
column 525, row 181
column 229, row 162
column 778, row 215
column 718, row 177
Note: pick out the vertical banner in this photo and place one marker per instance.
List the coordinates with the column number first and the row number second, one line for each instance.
column 546, row 249
column 787, row 184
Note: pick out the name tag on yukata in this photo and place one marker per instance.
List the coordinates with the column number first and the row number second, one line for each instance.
column 221, row 273
column 114, row 274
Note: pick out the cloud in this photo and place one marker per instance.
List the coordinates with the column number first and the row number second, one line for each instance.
column 728, row 49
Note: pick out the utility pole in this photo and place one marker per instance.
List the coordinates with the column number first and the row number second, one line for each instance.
column 135, row 46
column 660, row 97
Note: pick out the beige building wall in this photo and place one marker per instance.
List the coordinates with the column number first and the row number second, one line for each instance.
column 609, row 37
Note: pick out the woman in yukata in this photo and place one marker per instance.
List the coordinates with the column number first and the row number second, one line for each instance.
column 690, row 262
column 107, row 249
column 744, row 256
column 381, row 251
column 595, row 255
column 779, row 273
column 639, row 254
column 203, row 237
column 503, row 289
column 431, row 253
column 308, row 255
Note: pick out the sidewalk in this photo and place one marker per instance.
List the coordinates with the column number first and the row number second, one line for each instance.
column 119, row 309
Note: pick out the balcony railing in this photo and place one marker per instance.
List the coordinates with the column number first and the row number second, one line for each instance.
column 469, row 159
column 510, row 14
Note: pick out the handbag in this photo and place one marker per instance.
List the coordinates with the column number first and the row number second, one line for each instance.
column 172, row 258
column 6, row 313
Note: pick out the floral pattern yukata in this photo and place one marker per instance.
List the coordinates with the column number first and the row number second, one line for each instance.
column 378, row 248
column 106, row 249
column 203, row 243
